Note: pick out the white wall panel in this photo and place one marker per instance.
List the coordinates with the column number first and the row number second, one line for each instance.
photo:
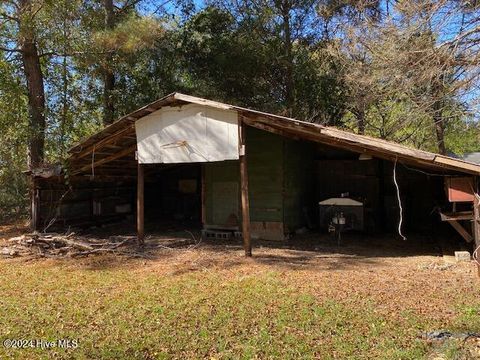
column 186, row 134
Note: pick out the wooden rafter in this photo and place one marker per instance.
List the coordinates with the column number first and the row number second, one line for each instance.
column 287, row 127
column 107, row 159
column 104, row 142
column 319, row 138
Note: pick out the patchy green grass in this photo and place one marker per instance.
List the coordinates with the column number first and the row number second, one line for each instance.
column 469, row 317
column 133, row 312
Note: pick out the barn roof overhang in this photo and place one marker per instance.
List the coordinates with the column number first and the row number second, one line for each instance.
column 113, row 149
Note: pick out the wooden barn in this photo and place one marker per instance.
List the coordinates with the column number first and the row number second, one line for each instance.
column 239, row 172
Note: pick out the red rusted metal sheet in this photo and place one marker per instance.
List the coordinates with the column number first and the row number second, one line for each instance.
column 459, row 189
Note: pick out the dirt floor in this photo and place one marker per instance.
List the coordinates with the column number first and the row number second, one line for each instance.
column 400, row 278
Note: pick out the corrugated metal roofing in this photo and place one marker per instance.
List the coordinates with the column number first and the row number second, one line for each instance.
column 473, row 157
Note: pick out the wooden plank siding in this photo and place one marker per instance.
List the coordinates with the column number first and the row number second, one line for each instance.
column 280, row 185
column 220, row 172
column 266, row 176
column 298, row 194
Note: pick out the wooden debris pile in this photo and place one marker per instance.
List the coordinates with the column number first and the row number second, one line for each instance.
column 72, row 245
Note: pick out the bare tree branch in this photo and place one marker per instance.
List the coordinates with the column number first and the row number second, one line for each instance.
column 10, row 50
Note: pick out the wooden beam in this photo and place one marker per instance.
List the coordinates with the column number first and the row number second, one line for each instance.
column 140, row 205
column 262, row 126
column 326, row 140
column 203, row 187
column 107, row 159
column 332, row 135
column 459, row 215
column 459, row 164
column 461, row 230
column 358, row 143
column 311, row 137
column 35, row 206
column 109, row 147
column 476, row 222
column 103, row 177
column 247, row 244
column 200, row 101
column 101, row 143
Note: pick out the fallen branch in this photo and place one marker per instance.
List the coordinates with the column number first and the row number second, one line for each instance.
column 57, row 245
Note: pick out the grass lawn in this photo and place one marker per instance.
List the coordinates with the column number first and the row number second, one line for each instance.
column 207, row 303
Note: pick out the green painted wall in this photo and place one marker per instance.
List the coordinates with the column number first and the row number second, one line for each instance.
column 298, row 183
column 223, row 172
column 280, row 180
column 265, row 175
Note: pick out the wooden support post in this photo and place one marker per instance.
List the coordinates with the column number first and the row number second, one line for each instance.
column 381, row 196
column 140, row 204
column 203, row 184
column 247, row 244
column 476, row 222
column 461, row 230
column 35, row 206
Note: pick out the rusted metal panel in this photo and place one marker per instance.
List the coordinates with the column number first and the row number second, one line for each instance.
column 459, row 189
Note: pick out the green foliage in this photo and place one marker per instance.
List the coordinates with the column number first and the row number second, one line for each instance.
column 319, row 91
column 13, row 140
column 221, row 61
column 462, row 136
column 239, row 58
column 273, row 56
column 130, row 35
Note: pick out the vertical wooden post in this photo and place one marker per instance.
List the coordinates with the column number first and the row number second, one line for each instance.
column 247, row 244
column 203, row 185
column 34, row 206
column 140, row 204
column 381, row 197
column 476, row 221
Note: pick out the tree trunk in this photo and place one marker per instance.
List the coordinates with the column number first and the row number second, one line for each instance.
column 289, row 79
column 108, row 74
column 439, row 127
column 438, row 94
column 360, row 115
column 36, row 92
column 361, row 124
